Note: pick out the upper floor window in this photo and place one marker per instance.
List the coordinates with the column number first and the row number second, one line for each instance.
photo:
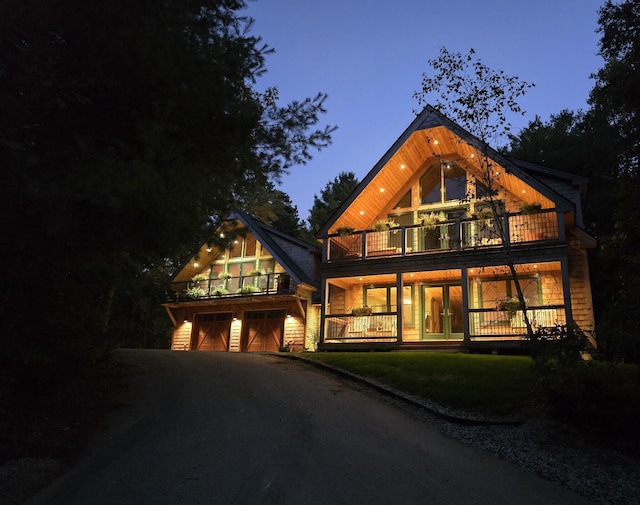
column 443, row 182
column 404, row 202
column 243, row 247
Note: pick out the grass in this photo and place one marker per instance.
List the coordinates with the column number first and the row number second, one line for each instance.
column 503, row 385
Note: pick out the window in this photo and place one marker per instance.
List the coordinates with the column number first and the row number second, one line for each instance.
column 443, row 182
column 395, row 238
column 404, row 202
column 493, row 291
column 384, row 299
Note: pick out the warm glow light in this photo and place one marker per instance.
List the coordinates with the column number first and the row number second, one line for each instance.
column 360, row 278
column 362, row 212
column 196, row 264
column 209, row 249
column 222, row 235
column 381, row 190
column 523, row 191
column 403, row 166
column 435, row 142
column 535, row 266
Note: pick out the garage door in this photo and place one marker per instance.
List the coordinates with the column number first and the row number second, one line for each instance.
column 263, row 330
column 211, row 332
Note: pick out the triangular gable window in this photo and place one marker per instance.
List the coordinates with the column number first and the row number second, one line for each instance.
column 404, row 202
column 443, row 182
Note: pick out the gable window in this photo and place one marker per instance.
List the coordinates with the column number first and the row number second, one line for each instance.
column 404, row 202
column 443, row 182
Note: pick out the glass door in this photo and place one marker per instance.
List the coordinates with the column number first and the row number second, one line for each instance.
column 442, row 312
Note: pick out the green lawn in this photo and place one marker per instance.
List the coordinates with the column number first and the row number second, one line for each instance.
column 484, row 383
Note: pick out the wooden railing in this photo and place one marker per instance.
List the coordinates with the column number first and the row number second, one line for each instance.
column 378, row 327
column 246, row 285
column 453, row 235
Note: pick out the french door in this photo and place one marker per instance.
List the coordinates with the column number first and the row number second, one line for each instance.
column 442, row 312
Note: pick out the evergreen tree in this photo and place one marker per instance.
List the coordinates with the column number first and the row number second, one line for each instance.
column 331, row 197
column 125, row 127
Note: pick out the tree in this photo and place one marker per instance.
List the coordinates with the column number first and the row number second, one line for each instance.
column 125, row 127
column 479, row 99
column 331, row 197
column 615, row 103
column 603, row 145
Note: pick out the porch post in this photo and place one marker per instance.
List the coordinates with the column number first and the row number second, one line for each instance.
column 562, row 235
column 465, row 306
column 399, row 305
column 323, row 305
column 566, row 290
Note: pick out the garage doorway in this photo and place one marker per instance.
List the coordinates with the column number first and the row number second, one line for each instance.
column 262, row 331
column 211, row 332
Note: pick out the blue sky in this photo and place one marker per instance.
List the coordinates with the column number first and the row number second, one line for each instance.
column 369, row 57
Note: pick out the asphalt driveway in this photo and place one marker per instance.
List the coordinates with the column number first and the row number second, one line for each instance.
column 226, row 428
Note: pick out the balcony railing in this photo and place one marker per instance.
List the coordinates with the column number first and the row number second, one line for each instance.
column 374, row 327
column 452, row 235
column 246, row 285
column 491, row 322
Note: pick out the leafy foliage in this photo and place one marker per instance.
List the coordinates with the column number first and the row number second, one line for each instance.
column 478, row 97
column 331, row 197
column 127, row 128
column 603, row 144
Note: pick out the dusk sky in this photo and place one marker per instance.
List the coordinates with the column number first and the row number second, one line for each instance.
column 369, row 58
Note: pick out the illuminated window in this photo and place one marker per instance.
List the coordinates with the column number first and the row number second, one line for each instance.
column 443, row 182
column 405, row 201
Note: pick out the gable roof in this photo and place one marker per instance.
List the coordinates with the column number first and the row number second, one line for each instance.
column 290, row 252
column 431, row 138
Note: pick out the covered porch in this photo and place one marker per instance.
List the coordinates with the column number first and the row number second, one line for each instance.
column 462, row 307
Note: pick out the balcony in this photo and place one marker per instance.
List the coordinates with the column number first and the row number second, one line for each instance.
column 371, row 328
column 247, row 285
column 453, row 235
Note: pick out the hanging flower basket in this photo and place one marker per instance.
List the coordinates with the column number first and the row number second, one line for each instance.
column 362, row 311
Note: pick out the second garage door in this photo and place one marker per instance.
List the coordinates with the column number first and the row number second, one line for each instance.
column 263, row 330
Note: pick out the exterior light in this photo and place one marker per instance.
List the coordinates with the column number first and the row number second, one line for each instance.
column 381, row 190
column 402, row 166
column 196, row 264
column 362, row 212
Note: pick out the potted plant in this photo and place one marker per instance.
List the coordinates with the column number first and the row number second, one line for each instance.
column 362, row 311
column 200, row 277
column 219, row 291
column 224, row 276
column 385, row 224
column 345, row 230
column 509, row 305
column 195, row 292
column 430, row 221
column 482, row 213
column 245, row 290
column 255, row 273
column 530, row 208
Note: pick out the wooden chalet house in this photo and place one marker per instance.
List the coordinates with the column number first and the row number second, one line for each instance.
column 253, row 293
column 418, row 256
